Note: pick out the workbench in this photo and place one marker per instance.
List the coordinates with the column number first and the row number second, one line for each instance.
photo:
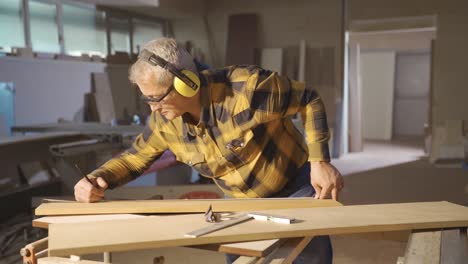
column 438, row 231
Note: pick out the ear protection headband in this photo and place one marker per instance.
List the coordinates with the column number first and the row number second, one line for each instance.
column 185, row 83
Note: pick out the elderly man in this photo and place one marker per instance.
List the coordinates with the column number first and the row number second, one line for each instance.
column 232, row 125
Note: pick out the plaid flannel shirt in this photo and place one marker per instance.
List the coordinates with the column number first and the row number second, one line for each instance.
column 245, row 139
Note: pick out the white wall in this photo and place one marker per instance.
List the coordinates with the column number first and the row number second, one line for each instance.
column 378, row 74
column 47, row 89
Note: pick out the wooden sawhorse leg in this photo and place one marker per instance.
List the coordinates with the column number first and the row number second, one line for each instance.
column 447, row 246
column 287, row 252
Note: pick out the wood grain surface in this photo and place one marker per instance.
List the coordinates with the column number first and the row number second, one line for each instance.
column 168, row 231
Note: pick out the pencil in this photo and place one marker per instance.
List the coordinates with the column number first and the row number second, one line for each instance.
column 85, row 176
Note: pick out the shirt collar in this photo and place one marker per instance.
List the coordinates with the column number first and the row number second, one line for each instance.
column 206, row 113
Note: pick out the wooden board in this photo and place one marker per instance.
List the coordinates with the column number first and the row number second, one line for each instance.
column 44, row 222
column 454, row 246
column 423, row 247
column 104, row 98
column 179, row 206
column 259, row 248
column 168, row 231
column 242, row 39
column 253, row 248
column 57, row 260
column 287, row 252
column 194, row 191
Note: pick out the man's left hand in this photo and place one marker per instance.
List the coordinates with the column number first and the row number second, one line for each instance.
column 325, row 179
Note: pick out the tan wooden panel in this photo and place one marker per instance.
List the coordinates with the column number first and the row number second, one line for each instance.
column 246, row 260
column 44, row 222
column 454, row 246
column 259, row 248
column 179, row 206
column 423, row 248
column 253, row 248
column 288, row 252
column 57, row 260
column 168, row 231
column 400, row 236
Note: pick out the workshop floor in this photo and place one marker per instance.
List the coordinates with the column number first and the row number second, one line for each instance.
column 392, row 172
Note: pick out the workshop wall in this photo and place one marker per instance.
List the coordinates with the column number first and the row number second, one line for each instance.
column 47, row 90
column 282, row 24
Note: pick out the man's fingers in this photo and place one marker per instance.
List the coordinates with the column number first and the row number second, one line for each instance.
column 89, row 192
column 95, row 187
column 87, row 195
column 91, row 189
column 334, row 193
column 82, row 197
column 317, row 189
column 325, row 192
column 102, row 183
column 340, row 183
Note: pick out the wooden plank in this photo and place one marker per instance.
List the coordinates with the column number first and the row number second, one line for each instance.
column 454, row 246
column 287, row 252
column 104, row 98
column 125, row 97
column 57, row 260
column 400, row 236
column 168, row 231
column 218, row 226
column 423, row 248
column 44, row 222
column 254, row 248
column 189, row 191
column 179, row 206
column 246, row 260
column 242, row 39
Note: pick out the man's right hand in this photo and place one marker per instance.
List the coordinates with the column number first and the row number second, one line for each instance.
column 87, row 192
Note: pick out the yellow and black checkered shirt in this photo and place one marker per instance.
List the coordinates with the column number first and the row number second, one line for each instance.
column 245, row 139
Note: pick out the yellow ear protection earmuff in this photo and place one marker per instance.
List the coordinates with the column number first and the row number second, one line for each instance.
column 185, row 83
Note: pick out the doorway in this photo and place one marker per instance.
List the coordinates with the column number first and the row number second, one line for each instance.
column 389, row 84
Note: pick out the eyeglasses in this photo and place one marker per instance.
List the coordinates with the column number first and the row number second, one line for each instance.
column 150, row 100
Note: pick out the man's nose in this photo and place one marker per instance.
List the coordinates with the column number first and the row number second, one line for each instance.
column 155, row 107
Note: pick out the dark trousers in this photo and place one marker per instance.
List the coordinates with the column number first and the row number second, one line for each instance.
column 319, row 250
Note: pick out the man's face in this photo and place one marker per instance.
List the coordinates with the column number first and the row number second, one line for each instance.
column 170, row 105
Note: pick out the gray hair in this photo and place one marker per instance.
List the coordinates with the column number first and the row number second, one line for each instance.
column 168, row 49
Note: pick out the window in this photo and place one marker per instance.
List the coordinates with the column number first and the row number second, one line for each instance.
column 84, row 30
column 11, row 21
column 144, row 31
column 44, row 30
column 120, row 35
column 7, row 107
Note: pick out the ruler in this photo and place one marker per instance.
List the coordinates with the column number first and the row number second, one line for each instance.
column 240, row 219
column 218, row 226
